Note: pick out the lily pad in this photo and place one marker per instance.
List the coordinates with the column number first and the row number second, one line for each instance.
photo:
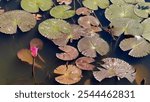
column 76, row 33
column 71, row 53
column 88, row 21
column 11, row 19
column 94, row 4
column 84, row 63
column 67, row 2
column 138, row 46
column 88, row 46
column 115, row 67
column 36, row 43
column 54, row 28
column 142, row 9
column 146, row 30
column 121, row 11
column 62, row 12
column 117, row 1
column 134, row 1
column 25, row 56
column 69, row 74
column 33, row 6
column 83, row 11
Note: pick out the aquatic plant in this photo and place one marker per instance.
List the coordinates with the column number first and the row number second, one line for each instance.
column 129, row 18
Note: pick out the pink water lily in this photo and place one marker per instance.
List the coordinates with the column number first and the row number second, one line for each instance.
column 34, row 51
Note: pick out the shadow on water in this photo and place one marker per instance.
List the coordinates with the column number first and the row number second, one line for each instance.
column 13, row 71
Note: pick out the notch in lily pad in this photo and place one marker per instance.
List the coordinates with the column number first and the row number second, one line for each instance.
column 33, row 6
column 62, row 12
column 9, row 21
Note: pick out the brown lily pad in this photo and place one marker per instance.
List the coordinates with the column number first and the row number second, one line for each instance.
column 91, row 45
column 69, row 74
column 70, row 53
column 83, row 11
column 25, row 56
column 84, row 63
column 115, row 67
column 36, row 43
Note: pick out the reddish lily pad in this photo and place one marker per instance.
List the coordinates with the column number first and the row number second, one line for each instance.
column 84, row 63
column 70, row 53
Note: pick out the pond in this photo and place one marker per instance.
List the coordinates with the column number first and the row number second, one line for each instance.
column 14, row 72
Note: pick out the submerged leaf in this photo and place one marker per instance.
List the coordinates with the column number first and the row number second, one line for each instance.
column 54, row 28
column 138, row 46
column 142, row 73
column 84, row 63
column 71, row 53
column 34, row 5
column 115, row 67
column 25, row 56
column 88, row 46
column 11, row 19
column 94, row 4
column 83, row 11
column 69, row 74
column 62, row 12
column 36, row 43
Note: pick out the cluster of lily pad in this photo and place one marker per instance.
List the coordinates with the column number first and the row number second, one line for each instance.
column 128, row 17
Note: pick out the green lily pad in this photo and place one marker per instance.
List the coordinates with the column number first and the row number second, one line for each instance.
column 34, row 5
column 11, row 19
column 138, row 46
column 121, row 11
column 134, row 1
column 94, row 4
column 117, row 1
column 146, row 27
column 142, row 9
column 54, row 28
column 62, row 12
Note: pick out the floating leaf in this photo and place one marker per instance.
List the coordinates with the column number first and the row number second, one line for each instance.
column 62, row 12
column 142, row 9
column 87, row 82
column 2, row 11
column 88, row 21
column 142, row 73
column 88, row 46
column 83, row 11
column 134, row 28
column 25, row 56
column 34, row 5
column 69, row 74
column 36, row 43
column 84, row 63
column 134, row 1
column 146, row 30
column 54, row 28
column 94, row 4
column 11, row 19
column 119, row 25
column 67, row 2
column 115, row 67
column 76, row 33
column 139, row 47
column 117, row 1
column 71, row 53
column 121, row 11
